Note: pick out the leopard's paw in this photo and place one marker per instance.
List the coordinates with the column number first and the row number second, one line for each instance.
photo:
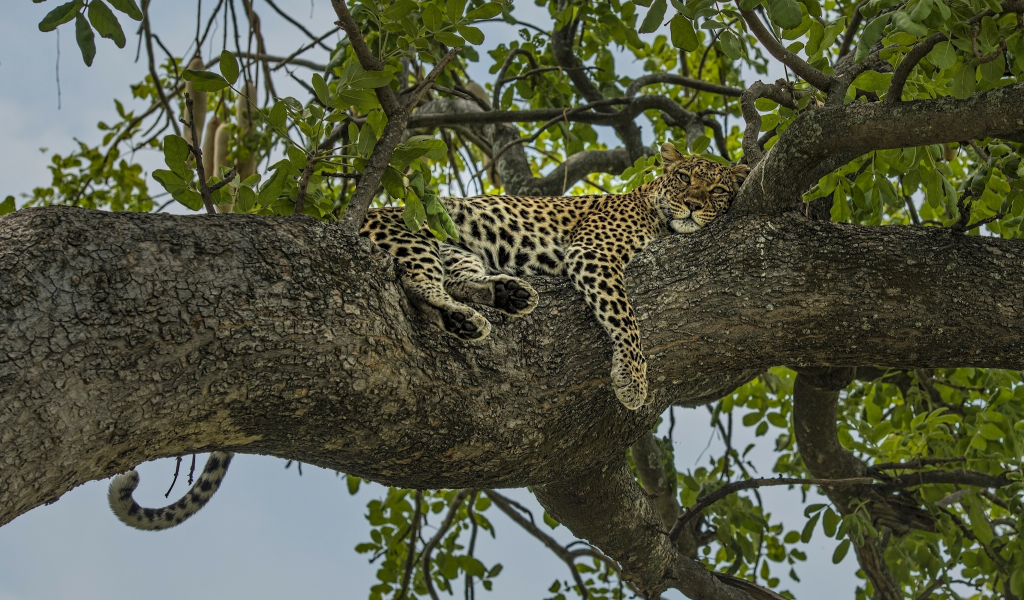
column 466, row 324
column 632, row 395
column 514, row 296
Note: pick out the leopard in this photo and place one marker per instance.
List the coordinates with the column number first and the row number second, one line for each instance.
column 588, row 238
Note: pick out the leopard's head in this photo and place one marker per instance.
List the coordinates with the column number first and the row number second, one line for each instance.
column 693, row 191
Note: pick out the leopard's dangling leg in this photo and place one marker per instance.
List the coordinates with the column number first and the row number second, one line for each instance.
column 599, row 277
column 466, row 278
column 423, row 275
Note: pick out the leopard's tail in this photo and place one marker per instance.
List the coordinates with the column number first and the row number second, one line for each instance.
column 152, row 519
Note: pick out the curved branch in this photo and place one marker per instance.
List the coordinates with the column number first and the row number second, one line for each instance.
column 824, row 139
column 903, row 70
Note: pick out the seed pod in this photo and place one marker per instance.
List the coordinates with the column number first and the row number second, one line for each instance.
column 245, row 113
column 220, row 156
column 198, row 105
column 209, row 147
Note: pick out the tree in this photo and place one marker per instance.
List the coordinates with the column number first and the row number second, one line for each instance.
column 853, row 255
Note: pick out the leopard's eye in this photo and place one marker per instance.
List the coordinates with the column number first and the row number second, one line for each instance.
column 684, row 177
column 719, row 190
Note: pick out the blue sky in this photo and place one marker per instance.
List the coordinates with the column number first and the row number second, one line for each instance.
column 268, row 533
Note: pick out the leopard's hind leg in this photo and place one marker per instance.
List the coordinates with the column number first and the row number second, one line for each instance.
column 467, row 279
column 419, row 259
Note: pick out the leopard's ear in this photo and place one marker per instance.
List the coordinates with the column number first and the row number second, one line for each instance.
column 669, row 155
column 739, row 174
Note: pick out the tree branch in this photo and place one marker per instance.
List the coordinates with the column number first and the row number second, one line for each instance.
column 824, row 139
column 203, row 305
column 671, row 78
column 808, row 73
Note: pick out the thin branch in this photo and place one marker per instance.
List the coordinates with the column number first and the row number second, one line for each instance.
column 410, row 557
column 197, row 152
column 307, row 172
column 504, row 504
column 453, row 509
column 731, row 488
column 152, row 68
column 809, row 74
column 291, row 57
column 851, row 28
column 288, row 18
column 671, row 78
column 903, row 70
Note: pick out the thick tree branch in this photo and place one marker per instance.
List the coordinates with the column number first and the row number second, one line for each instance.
column 162, row 333
column 609, row 509
column 824, row 139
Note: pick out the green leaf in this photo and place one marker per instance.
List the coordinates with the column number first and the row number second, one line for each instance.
column 364, row 80
column 730, row 45
column 432, row 17
column 105, row 22
column 550, row 521
column 229, row 67
column 830, row 523
column 805, row 535
column 86, row 39
column 785, row 13
column 487, row 11
column 700, row 144
column 979, row 524
column 964, row 81
column 991, row 431
column 921, row 11
column 60, row 15
column 943, row 55
column 204, row 81
column 272, row 189
column 472, row 34
column 7, row 206
column 414, row 213
column 246, row 200
column 320, row 88
column 901, row 19
column 176, row 154
column 993, row 70
column 128, row 7
column 449, row 39
column 278, row 115
column 392, row 181
column 872, row 33
column 840, row 553
column 873, row 81
column 683, row 35
column 455, row 8
column 655, row 16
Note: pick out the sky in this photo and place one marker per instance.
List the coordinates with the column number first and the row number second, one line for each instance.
column 268, row 533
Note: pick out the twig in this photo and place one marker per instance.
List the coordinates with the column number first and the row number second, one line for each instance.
column 227, row 179
column 339, row 175
column 505, row 505
column 671, row 78
column 809, row 74
column 197, row 152
column 177, row 466
column 916, row 463
column 307, row 172
column 410, row 557
column 504, row 67
column 991, row 56
column 292, row 56
column 152, row 68
column 903, row 70
column 288, row 18
column 453, row 508
column 851, row 28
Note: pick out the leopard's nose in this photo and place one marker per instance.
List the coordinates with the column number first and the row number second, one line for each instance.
column 693, row 204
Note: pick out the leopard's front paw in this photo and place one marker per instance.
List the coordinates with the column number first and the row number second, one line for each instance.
column 514, row 296
column 633, row 395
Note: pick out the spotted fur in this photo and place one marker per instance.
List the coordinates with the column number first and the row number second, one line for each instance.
column 590, row 239
column 151, row 519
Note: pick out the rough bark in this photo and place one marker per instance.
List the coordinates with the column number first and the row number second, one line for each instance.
column 128, row 337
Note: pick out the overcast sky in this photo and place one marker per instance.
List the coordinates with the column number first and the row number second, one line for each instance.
column 268, row 533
